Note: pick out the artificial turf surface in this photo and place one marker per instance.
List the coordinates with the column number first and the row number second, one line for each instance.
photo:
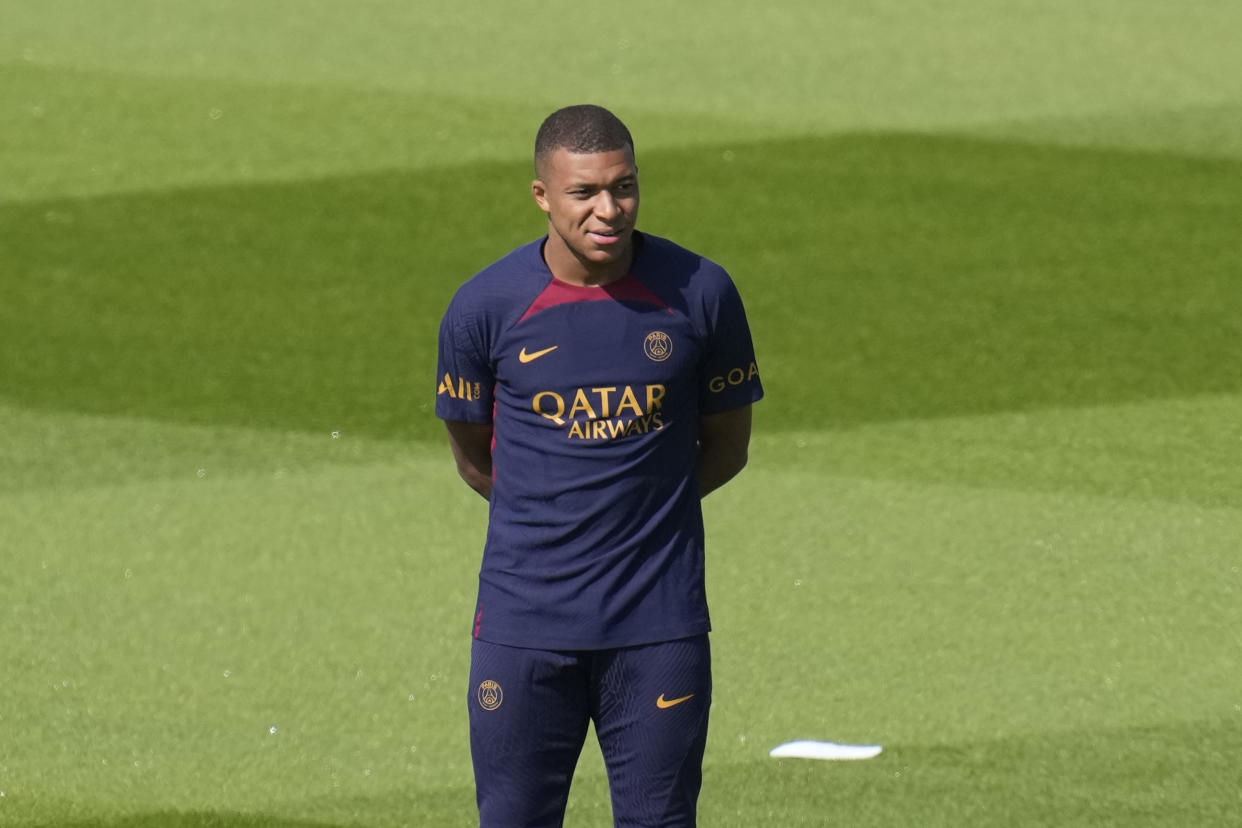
column 992, row 515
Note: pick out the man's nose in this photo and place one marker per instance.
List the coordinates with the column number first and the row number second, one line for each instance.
column 606, row 207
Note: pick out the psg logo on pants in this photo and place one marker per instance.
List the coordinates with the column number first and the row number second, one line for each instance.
column 490, row 695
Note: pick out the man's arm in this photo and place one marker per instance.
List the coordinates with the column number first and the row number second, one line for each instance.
column 724, row 440
column 472, row 449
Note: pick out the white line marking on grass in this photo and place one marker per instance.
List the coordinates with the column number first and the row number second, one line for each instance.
column 810, row 749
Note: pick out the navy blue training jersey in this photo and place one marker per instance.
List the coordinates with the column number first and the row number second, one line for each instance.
column 595, row 533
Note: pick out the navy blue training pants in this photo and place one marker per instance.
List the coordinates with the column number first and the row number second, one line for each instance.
column 529, row 711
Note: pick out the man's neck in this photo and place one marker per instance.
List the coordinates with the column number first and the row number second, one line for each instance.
column 567, row 267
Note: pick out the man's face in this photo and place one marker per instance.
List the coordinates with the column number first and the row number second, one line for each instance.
column 592, row 203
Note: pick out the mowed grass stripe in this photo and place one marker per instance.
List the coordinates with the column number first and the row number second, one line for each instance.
column 1123, row 777
column 904, row 614
column 1205, row 129
column 900, row 277
column 1126, row 777
column 1176, row 450
column 72, row 132
column 1157, row 451
column 333, row 605
column 68, row 451
column 881, row 611
column 1161, row 775
column 800, row 64
column 888, row 277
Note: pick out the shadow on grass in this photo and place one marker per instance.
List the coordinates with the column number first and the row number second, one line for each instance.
column 888, row 276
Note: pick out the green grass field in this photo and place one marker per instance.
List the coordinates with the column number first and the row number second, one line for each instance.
column 993, row 517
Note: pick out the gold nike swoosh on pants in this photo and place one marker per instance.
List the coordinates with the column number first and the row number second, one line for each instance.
column 663, row 703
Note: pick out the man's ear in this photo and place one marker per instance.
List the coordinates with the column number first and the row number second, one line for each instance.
column 540, row 193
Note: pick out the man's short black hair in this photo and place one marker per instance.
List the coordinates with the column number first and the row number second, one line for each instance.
column 581, row 129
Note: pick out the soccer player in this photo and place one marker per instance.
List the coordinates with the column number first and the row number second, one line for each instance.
column 595, row 384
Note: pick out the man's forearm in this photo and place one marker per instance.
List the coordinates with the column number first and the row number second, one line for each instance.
column 472, row 450
column 716, row 468
column 724, row 444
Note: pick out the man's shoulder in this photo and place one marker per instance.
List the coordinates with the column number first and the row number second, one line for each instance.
column 673, row 266
column 511, row 278
column 668, row 252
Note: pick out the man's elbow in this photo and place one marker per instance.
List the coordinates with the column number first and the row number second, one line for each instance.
column 737, row 461
column 475, row 479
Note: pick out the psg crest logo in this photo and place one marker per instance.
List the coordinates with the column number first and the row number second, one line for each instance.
column 658, row 346
column 490, row 695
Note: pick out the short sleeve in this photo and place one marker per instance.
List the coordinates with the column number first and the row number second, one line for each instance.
column 729, row 375
column 464, row 379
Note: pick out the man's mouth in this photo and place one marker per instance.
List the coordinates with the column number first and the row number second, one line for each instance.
column 605, row 237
